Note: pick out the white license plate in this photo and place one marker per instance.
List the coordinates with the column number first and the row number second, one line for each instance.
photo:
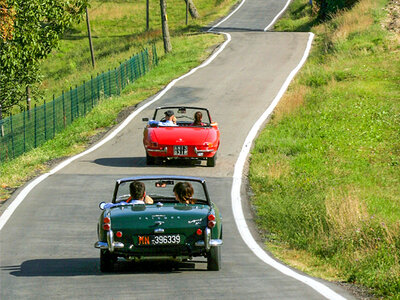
column 180, row 150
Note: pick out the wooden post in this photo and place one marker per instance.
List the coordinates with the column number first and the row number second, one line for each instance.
column 147, row 15
column 187, row 12
column 90, row 38
column 165, row 30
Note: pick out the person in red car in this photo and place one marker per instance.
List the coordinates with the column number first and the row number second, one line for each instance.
column 198, row 117
column 168, row 120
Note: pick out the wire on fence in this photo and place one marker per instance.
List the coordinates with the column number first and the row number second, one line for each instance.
column 22, row 132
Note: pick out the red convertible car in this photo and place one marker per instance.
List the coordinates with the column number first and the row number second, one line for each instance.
column 181, row 132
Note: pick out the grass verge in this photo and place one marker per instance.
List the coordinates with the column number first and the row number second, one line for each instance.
column 326, row 170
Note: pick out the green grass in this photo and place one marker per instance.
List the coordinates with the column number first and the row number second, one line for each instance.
column 119, row 28
column 326, row 172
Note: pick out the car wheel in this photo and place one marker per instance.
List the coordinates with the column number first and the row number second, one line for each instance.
column 150, row 160
column 106, row 261
column 214, row 259
column 211, row 161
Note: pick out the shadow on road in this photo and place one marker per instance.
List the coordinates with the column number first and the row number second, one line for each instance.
column 140, row 162
column 90, row 266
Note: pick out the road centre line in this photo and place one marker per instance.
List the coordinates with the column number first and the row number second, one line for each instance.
column 237, row 176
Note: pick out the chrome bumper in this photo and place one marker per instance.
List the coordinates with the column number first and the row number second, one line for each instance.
column 110, row 244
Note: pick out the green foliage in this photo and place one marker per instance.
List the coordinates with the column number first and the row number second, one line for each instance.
column 326, row 177
column 327, row 8
column 37, row 27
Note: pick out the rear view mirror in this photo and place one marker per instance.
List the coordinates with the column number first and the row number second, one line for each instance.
column 164, row 183
column 182, row 110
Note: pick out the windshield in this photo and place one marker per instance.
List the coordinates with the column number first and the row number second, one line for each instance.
column 161, row 190
column 184, row 114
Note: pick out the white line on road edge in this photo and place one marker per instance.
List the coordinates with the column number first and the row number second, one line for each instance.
column 277, row 16
column 236, row 199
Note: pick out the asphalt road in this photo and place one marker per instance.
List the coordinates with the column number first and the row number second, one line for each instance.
column 47, row 244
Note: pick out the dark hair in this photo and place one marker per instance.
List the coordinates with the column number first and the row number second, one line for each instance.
column 137, row 189
column 198, row 116
column 184, row 191
column 169, row 113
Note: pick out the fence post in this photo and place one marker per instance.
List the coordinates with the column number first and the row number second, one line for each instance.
column 91, row 89
column 54, row 116
column 84, row 98
column 45, row 121
column 12, row 136
column 1, row 121
column 35, row 126
column 71, row 104
column 77, row 101
column 24, row 131
column 63, row 106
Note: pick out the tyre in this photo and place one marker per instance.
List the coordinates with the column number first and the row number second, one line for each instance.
column 211, row 161
column 214, row 259
column 150, row 160
column 106, row 261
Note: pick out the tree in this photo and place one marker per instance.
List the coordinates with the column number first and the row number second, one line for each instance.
column 164, row 24
column 192, row 9
column 36, row 28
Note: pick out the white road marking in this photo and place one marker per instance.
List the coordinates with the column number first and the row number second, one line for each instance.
column 237, row 176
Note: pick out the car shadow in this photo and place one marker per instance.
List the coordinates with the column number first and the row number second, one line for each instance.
column 140, row 162
column 91, row 267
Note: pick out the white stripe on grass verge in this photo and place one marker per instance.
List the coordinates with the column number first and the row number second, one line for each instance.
column 236, row 199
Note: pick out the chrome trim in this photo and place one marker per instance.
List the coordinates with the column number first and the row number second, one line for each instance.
column 203, row 151
column 207, row 238
column 157, row 150
column 213, row 243
column 159, row 230
column 110, row 240
column 104, row 245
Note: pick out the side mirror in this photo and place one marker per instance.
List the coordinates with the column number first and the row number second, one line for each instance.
column 101, row 205
column 145, row 119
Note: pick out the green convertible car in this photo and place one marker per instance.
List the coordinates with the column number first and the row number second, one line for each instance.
column 165, row 228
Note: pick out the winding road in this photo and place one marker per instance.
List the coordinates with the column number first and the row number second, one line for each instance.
column 49, row 226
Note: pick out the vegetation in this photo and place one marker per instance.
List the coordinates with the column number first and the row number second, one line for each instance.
column 325, row 171
column 121, row 24
column 30, row 30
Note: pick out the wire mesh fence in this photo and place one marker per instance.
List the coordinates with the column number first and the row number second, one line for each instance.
column 27, row 130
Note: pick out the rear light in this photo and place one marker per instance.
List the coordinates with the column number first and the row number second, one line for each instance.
column 119, row 234
column 211, row 221
column 199, row 231
column 106, row 223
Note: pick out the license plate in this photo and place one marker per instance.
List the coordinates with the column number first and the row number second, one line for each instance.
column 180, row 150
column 151, row 240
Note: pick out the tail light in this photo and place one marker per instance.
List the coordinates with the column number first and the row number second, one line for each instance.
column 211, row 221
column 106, row 223
column 199, row 232
column 119, row 234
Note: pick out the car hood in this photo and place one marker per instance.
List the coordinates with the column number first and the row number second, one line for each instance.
column 180, row 136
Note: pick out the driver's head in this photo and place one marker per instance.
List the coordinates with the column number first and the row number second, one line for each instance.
column 137, row 190
column 169, row 114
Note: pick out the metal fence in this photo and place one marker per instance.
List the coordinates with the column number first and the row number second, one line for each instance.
column 27, row 130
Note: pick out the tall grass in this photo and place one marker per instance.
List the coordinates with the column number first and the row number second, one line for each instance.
column 326, row 170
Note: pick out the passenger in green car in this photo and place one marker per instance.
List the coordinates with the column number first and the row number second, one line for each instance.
column 137, row 189
column 184, row 193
